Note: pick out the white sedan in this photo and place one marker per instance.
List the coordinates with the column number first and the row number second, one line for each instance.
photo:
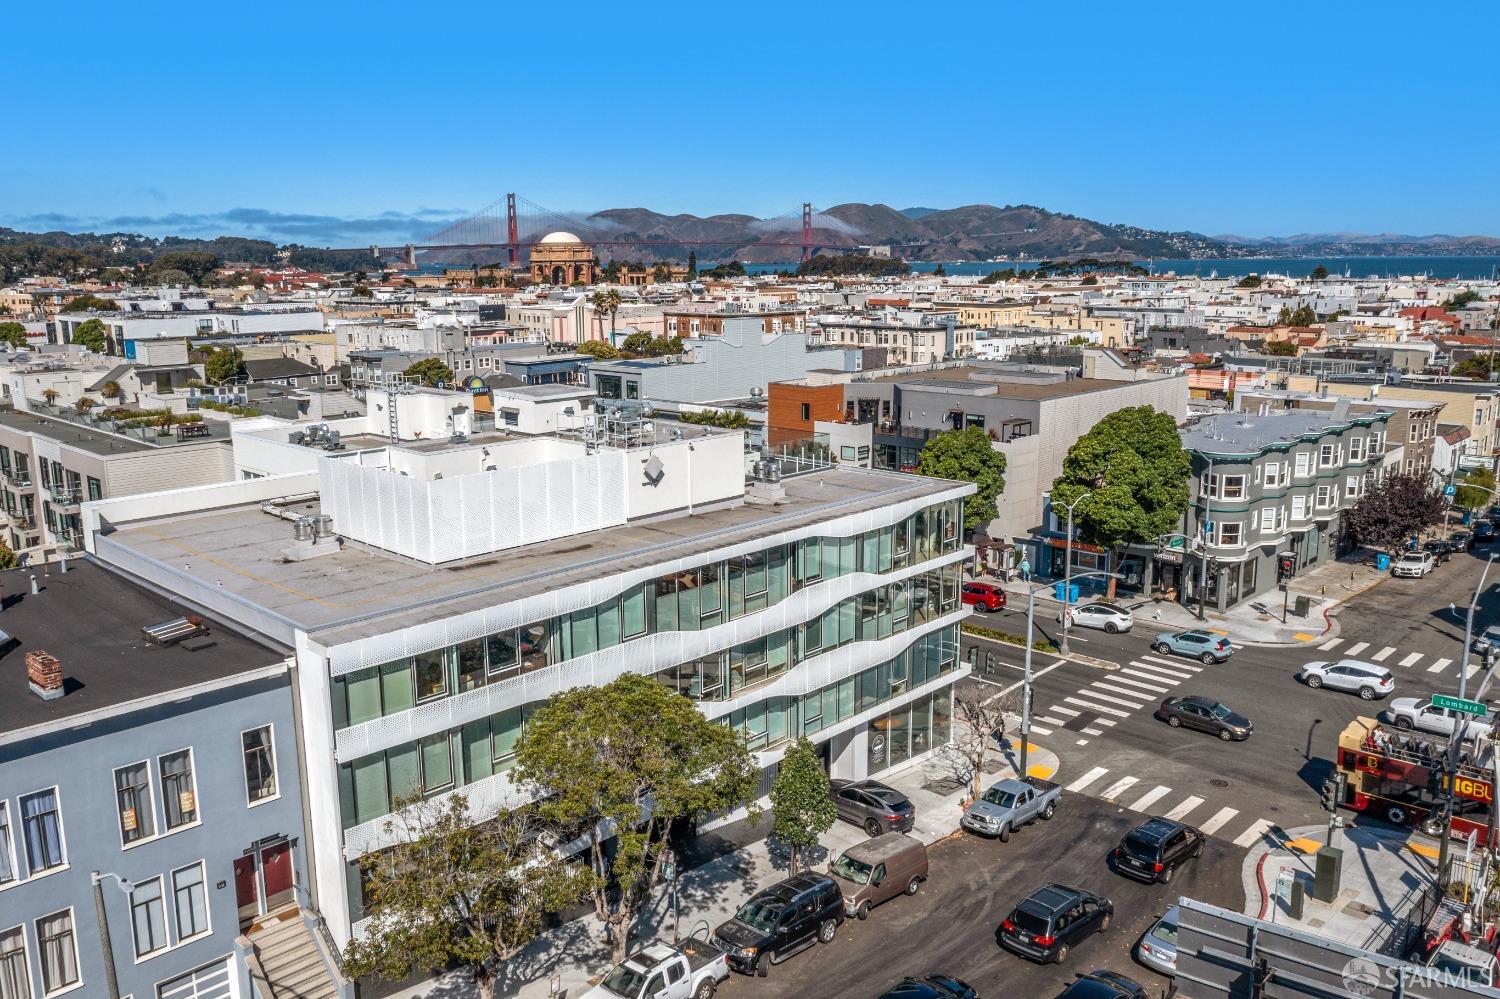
column 1105, row 617
column 1369, row 680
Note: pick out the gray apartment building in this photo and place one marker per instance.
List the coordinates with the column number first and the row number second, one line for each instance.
column 1265, row 484
column 148, row 762
column 1411, row 430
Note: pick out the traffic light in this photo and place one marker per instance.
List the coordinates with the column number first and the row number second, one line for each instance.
column 1286, row 567
column 1333, row 793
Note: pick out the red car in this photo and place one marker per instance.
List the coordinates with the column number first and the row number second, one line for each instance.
column 984, row 596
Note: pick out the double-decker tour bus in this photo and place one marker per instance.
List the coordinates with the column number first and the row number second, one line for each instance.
column 1402, row 777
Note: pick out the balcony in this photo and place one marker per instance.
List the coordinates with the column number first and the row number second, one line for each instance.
column 67, row 540
column 19, row 479
column 65, row 495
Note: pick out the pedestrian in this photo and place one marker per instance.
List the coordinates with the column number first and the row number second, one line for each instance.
column 1025, row 569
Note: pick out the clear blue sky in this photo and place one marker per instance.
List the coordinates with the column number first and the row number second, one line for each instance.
column 354, row 122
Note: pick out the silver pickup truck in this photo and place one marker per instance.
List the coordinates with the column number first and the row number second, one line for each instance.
column 1010, row 804
column 691, row 970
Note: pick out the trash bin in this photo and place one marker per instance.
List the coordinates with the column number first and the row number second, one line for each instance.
column 1382, row 563
column 1300, row 605
column 1057, row 592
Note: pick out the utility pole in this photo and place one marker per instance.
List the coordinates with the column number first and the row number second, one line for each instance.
column 1461, row 728
column 111, row 983
column 1067, row 601
column 1026, row 683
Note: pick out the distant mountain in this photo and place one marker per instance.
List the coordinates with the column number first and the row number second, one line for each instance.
column 1313, row 244
column 918, row 213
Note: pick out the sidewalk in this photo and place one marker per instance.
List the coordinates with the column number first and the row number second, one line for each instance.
column 710, row 894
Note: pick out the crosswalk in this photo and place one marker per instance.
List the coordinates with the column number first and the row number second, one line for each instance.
column 1223, row 821
column 1385, row 654
column 1092, row 710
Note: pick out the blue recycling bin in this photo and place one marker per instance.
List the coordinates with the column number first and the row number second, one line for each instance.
column 1057, row 592
column 1382, row 562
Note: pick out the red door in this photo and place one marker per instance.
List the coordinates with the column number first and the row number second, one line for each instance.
column 246, row 889
column 276, row 872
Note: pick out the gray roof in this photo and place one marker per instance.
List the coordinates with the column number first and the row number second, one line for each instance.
column 278, row 367
column 113, row 375
column 1250, row 434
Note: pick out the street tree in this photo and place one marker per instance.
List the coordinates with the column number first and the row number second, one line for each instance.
column 640, row 758
column 1281, row 348
column 979, row 727
column 224, row 364
column 1475, row 490
column 92, row 335
column 1394, row 510
column 456, row 892
column 607, row 303
column 430, row 371
column 638, row 342
column 967, row 455
column 8, row 558
column 599, row 350
column 13, row 334
column 801, row 808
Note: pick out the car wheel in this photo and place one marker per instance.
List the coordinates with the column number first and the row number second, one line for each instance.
column 1396, row 815
column 863, row 912
column 1314, row 681
column 872, row 828
column 913, row 886
column 1110, row 628
column 1104, row 923
column 1062, row 954
column 1433, row 827
column 762, row 965
column 1367, row 693
column 706, row 990
column 1225, row 734
column 1174, row 721
column 1208, row 658
column 1005, row 833
column 826, row 931
column 1166, row 876
column 1162, row 648
column 1049, row 810
column 1403, row 723
column 1198, row 852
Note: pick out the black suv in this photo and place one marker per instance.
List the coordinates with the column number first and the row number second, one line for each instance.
column 1153, row 850
column 781, row 920
column 1484, row 532
column 931, row 987
column 1051, row 920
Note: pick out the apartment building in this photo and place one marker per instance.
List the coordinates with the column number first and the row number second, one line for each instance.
column 710, row 322
column 908, row 337
column 1265, row 484
column 472, row 578
column 1475, row 405
column 125, row 328
column 158, row 750
column 1411, row 428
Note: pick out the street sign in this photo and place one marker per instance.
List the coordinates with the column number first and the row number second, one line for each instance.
column 1459, row 704
column 1449, row 490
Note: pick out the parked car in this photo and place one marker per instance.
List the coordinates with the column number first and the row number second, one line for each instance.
column 1105, row 617
column 1052, row 920
column 1439, row 549
column 1010, row 804
column 1158, row 945
column 984, row 596
column 782, row 920
column 691, row 970
column 931, row 987
column 1413, row 565
column 878, row 870
column 1369, row 680
column 1153, row 850
column 1484, row 532
column 1461, row 541
column 1204, row 645
column 1487, row 640
column 1411, row 712
column 1103, row 985
column 1205, row 715
column 876, row 807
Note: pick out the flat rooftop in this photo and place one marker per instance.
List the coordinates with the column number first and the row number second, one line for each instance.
column 1029, row 385
column 359, row 591
column 1247, row 433
column 107, row 661
column 93, row 441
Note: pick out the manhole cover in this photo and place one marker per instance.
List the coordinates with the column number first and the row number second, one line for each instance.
column 1219, row 782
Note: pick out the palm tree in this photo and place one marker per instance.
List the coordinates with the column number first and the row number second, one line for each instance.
column 110, row 390
column 50, row 395
column 83, row 405
column 609, row 301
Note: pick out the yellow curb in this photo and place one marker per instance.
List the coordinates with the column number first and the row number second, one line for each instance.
column 1218, row 631
column 1304, row 637
column 1423, row 850
column 1304, row 845
column 1040, row 770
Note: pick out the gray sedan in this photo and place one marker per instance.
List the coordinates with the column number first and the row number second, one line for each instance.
column 1205, row 715
column 1158, row 946
column 872, row 805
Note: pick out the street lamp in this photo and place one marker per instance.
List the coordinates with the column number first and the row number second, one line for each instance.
column 1068, row 574
column 111, row 983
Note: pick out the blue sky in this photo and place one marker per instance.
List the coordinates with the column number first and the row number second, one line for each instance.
column 320, row 122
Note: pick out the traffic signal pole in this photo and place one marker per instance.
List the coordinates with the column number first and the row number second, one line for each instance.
column 1461, row 728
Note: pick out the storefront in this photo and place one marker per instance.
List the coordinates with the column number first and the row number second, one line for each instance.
column 901, row 735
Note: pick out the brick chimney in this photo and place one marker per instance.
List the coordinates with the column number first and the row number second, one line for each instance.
column 45, row 675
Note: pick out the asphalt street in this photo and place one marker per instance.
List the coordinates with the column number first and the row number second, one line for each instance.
column 949, row 926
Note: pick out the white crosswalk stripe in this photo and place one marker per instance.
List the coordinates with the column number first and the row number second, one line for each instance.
column 1162, row 670
column 1104, row 721
column 1096, row 692
column 1118, row 788
column 1097, row 707
column 1411, row 660
column 1355, row 650
column 1380, row 656
column 1088, row 778
column 1438, row 667
column 1058, row 708
column 1326, row 646
column 1153, row 687
column 1473, row 668
column 1256, row 831
column 1173, row 663
column 1048, row 721
column 1151, row 797
column 1038, row 730
column 1184, row 808
column 1151, row 676
column 1091, row 731
column 1220, row 817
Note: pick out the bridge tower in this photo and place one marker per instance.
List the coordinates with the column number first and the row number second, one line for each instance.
column 807, row 233
column 411, row 256
column 512, row 231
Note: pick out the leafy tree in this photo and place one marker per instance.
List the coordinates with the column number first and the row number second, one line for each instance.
column 1396, row 508
column 641, row 757
column 732, row 269
column 660, row 274
column 91, row 334
column 801, row 808
column 13, row 334
column 1135, row 469
column 87, row 303
column 1281, row 348
column 194, row 266
column 599, row 350
column 1477, row 366
column 940, row 271
column 429, row 371
column 608, row 302
column 455, row 892
column 1476, row 490
column 360, row 291
column 1319, row 273
column 1302, row 315
column 692, row 263
column 83, row 405
column 638, row 342
column 851, row 265
column 1460, row 300
column 725, row 419
column 49, row 395
column 8, row 558
column 110, row 390
column 661, row 346
column 172, row 278
column 1249, row 281
column 1089, row 281
column 967, row 455
column 224, row 365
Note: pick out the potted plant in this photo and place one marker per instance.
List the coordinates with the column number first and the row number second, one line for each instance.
column 50, row 396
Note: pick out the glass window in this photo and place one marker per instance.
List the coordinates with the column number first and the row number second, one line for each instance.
column 404, row 768
column 710, row 593
column 478, row 759
column 396, row 687
column 666, row 603
column 133, row 796
column 260, row 764
column 471, row 665
column 432, row 675
column 54, row 934
column 178, row 792
column 687, row 600
column 15, row 975
column 921, row 725
column 504, row 653
column 536, row 646
column 809, row 551
column 609, row 625
column 41, row 825
column 7, row 846
column 189, row 901
column 507, row 728
column 371, row 799
column 899, row 732
column 437, row 762
column 812, row 713
column 633, row 611
column 362, row 695
column 583, row 634
column 942, row 716
column 148, row 917
column 96, row 489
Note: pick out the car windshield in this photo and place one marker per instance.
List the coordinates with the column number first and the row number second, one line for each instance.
column 1165, row 930
column 626, row 980
column 852, row 870
column 759, row 914
column 1220, row 711
column 995, row 796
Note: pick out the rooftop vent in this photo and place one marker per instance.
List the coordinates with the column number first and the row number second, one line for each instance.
column 44, row 674
column 168, row 632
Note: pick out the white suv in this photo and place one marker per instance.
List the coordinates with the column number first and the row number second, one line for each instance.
column 1414, row 564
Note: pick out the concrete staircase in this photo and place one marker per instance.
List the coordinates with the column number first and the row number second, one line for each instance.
column 287, row 964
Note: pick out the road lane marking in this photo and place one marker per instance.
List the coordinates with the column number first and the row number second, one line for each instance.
column 1119, row 787
column 1172, row 663
column 1103, row 721
column 1047, row 721
column 1098, row 707
column 1188, row 804
column 1038, row 730
column 1145, row 801
column 1062, row 710
column 1088, row 778
column 1257, row 829
column 1220, row 817
column 1163, row 671
column 1411, row 659
column 1083, row 742
column 1330, row 645
column 1150, row 676
column 1355, row 650
column 1440, row 665
column 1380, row 656
column 1094, row 691
column 1140, row 685
column 1139, row 695
column 1473, row 668
column 1036, row 675
column 1092, row 731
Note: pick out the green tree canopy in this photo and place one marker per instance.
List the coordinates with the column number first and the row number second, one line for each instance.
column 644, row 758
column 661, row 346
column 801, row 808
column 1477, row 366
column 1281, row 348
column 599, row 350
column 194, row 266
column 1133, row 465
column 8, row 558
column 638, row 342
column 608, row 302
column 85, row 303
column 360, row 291
column 452, row 891
column 1319, row 273
column 1460, row 300
column 1476, row 490
column 726, row 419
column 429, row 371
column 1248, row 281
column 13, row 334
column 1396, row 508
column 968, row 456
column 850, row 265
column 224, row 365
column 171, row 277
column 1302, row 315
column 92, row 334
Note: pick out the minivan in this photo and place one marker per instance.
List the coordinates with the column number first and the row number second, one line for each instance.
column 1153, row 850
column 780, row 921
column 1049, row 921
column 879, row 869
